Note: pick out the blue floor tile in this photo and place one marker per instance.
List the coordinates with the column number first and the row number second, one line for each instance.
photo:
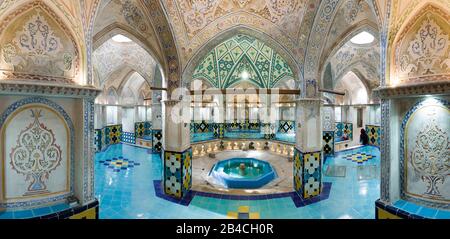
column 131, row 194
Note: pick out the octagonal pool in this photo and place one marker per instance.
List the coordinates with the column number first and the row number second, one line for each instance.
column 243, row 173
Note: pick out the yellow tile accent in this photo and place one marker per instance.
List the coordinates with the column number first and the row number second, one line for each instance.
column 254, row 215
column 244, row 209
column 88, row 214
column 382, row 214
column 232, row 215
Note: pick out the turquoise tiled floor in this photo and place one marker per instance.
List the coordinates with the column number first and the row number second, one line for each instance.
column 130, row 193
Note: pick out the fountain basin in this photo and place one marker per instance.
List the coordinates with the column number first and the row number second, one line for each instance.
column 243, row 173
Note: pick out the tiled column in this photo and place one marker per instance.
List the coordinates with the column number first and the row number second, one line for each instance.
column 177, row 151
column 157, row 136
column 308, row 149
column 328, row 130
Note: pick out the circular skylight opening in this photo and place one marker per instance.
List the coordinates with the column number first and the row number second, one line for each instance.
column 245, row 75
column 121, row 38
column 363, row 38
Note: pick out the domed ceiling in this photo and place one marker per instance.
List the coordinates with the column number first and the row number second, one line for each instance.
column 243, row 58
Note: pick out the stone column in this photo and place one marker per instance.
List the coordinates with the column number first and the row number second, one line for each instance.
column 308, row 148
column 177, row 151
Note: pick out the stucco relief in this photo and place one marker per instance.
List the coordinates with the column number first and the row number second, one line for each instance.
column 111, row 56
column 36, row 155
column 35, row 44
column 427, row 155
column 36, row 151
column 423, row 50
column 365, row 60
column 193, row 30
column 199, row 13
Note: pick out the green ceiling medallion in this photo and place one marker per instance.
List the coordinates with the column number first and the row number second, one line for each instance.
column 243, row 59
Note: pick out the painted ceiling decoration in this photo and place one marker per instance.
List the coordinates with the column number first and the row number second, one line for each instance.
column 111, row 56
column 423, row 49
column 243, row 58
column 36, row 44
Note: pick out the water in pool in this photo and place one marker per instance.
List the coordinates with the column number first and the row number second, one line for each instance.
column 243, row 173
column 244, row 168
column 129, row 192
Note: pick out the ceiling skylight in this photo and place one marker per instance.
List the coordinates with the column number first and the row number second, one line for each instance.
column 121, row 38
column 363, row 38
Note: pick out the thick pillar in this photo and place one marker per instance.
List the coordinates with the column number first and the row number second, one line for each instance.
column 177, row 151
column 308, row 149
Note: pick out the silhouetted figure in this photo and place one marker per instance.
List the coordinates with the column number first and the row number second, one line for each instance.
column 364, row 138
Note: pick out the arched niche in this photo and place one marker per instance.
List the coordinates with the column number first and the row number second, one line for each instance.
column 36, row 45
column 37, row 154
column 424, row 156
column 421, row 51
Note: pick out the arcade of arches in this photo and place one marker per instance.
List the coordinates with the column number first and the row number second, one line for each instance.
column 224, row 109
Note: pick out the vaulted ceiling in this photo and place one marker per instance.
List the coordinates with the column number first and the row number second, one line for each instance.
column 226, row 64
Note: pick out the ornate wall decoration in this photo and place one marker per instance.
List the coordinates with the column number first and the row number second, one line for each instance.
column 283, row 20
column 425, row 152
column 112, row 56
column 48, row 134
column 177, row 173
column 423, row 49
column 38, row 44
column 36, row 155
column 133, row 15
column 352, row 9
column 198, row 14
column 328, row 118
column 224, row 65
column 374, row 133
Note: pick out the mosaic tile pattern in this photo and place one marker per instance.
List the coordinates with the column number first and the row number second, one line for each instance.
column 98, row 140
column 111, row 135
column 219, row 130
column 157, row 140
column 286, row 126
column 128, row 137
column 312, row 178
column 223, row 65
column 374, row 133
column 328, row 143
column 341, row 129
column 177, row 173
column 243, row 212
column 307, row 173
column 298, row 172
column 201, row 127
column 39, row 100
column 359, row 157
column 119, row 164
column 143, row 129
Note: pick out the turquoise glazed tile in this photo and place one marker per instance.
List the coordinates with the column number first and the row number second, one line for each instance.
column 443, row 215
column 23, row 214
